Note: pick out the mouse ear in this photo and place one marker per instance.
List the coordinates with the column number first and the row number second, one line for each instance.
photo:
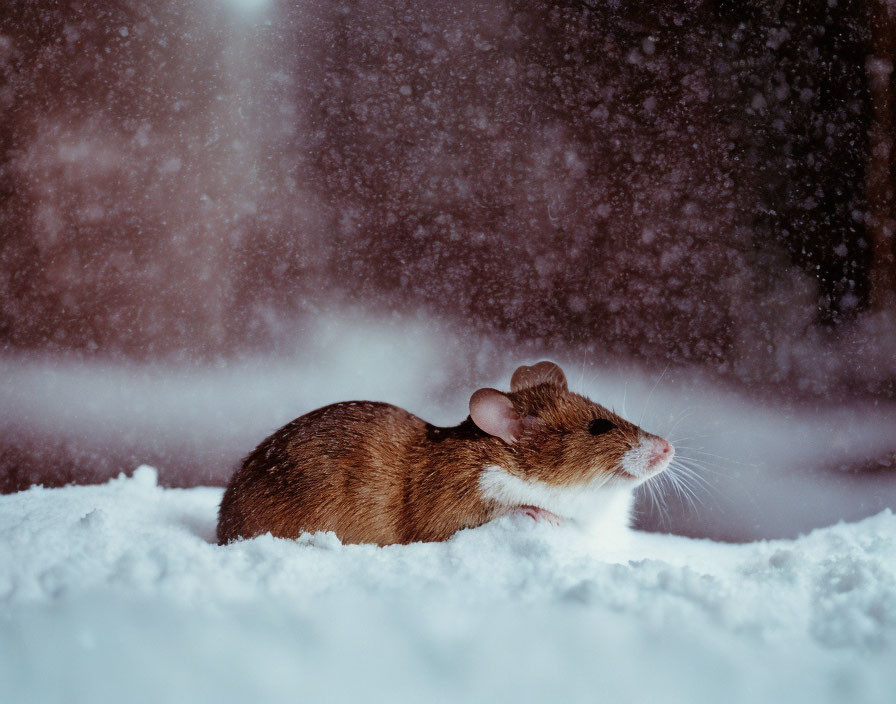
column 493, row 413
column 541, row 373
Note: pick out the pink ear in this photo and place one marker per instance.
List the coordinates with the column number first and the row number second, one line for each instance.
column 493, row 413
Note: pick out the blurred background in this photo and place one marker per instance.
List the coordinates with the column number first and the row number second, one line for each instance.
column 217, row 215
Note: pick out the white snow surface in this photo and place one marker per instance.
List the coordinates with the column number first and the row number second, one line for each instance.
column 117, row 592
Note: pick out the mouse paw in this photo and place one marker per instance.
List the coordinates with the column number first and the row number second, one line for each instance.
column 540, row 514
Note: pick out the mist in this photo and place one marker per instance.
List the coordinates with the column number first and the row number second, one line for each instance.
column 762, row 471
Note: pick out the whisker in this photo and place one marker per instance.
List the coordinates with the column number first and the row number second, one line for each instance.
column 699, row 471
column 685, row 491
column 709, row 454
column 650, row 495
column 678, row 463
column 582, row 375
column 657, row 501
column 665, row 518
column 650, row 395
column 687, row 414
column 701, row 482
column 688, row 469
column 676, row 487
column 717, row 471
column 698, row 464
column 701, row 461
column 710, row 436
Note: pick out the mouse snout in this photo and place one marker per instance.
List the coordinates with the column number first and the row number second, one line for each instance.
column 649, row 457
column 661, row 452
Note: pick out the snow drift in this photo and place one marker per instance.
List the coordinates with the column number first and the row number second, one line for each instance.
column 116, row 592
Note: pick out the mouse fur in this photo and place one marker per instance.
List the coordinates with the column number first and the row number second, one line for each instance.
column 374, row 473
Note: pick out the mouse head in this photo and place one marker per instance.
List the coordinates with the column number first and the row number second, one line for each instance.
column 564, row 439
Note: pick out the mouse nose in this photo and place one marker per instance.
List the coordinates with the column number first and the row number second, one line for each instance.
column 662, row 451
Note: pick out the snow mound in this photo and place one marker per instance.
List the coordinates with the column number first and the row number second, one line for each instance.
column 117, row 593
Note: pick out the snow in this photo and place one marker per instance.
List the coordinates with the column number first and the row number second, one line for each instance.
column 117, row 592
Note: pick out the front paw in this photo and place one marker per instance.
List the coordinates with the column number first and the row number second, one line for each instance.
column 539, row 514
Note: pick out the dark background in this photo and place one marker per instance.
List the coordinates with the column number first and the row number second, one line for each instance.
column 694, row 185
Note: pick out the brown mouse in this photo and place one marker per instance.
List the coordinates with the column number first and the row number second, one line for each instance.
column 374, row 473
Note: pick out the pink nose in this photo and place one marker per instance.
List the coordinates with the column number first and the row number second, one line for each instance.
column 662, row 451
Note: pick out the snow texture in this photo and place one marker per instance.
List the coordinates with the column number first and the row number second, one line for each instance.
column 116, row 592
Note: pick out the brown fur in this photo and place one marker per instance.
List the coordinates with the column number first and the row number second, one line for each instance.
column 374, row 473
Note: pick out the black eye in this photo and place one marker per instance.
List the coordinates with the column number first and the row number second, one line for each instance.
column 599, row 426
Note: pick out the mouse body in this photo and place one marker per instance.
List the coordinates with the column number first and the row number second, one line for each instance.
column 374, row 473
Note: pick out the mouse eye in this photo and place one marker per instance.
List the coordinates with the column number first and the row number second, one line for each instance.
column 599, row 426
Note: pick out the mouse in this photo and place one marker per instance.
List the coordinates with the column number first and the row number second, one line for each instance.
column 371, row 472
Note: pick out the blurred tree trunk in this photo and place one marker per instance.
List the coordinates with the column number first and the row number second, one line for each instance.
column 880, row 181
